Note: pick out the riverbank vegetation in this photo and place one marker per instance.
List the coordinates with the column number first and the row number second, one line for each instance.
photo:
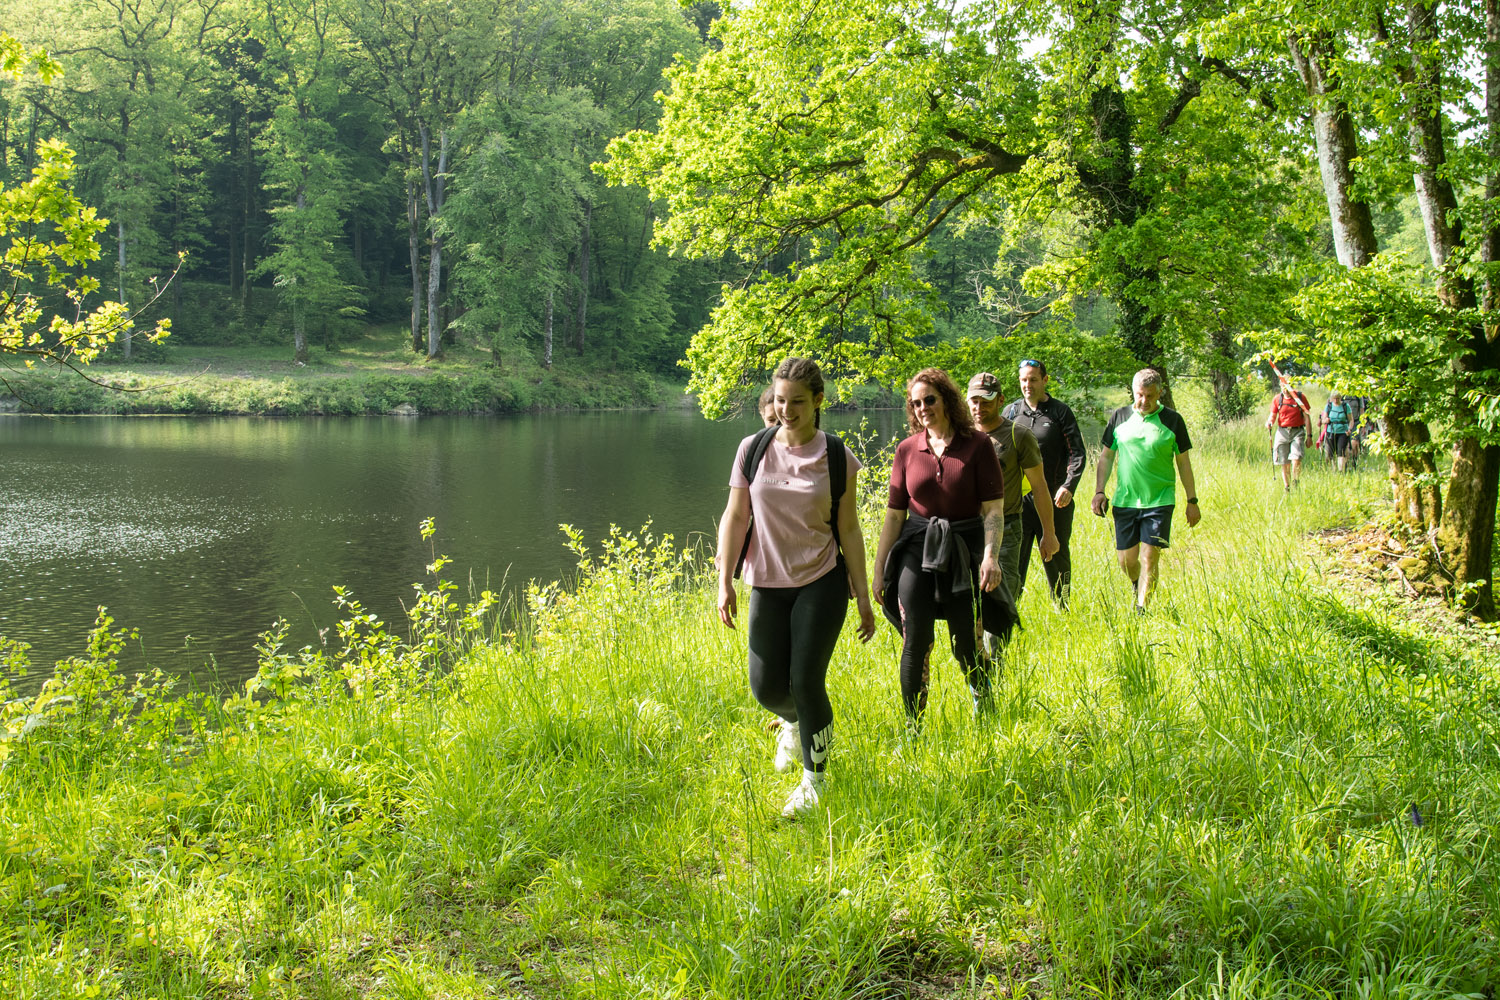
column 372, row 372
column 1269, row 786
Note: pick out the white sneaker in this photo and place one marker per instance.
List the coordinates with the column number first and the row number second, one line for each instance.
column 788, row 747
column 803, row 800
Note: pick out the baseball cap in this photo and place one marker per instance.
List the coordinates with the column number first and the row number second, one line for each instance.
column 984, row 385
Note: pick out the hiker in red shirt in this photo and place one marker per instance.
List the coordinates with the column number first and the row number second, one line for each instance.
column 1289, row 419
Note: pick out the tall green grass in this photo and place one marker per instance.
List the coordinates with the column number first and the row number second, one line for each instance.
column 1264, row 788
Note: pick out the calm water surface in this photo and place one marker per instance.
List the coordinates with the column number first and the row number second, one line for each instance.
column 201, row 532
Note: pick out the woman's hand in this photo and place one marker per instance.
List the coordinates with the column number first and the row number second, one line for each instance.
column 727, row 603
column 866, row 617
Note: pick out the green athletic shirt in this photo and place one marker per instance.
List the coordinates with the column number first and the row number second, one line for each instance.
column 1146, row 450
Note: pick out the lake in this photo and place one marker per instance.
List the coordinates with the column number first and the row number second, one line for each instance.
column 202, row 531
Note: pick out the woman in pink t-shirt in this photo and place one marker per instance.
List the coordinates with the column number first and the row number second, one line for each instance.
column 938, row 555
column 800, row 581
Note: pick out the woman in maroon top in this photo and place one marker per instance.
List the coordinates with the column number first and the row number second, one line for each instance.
column 938, row 555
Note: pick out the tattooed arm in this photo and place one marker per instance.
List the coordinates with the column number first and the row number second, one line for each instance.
column 992, row 513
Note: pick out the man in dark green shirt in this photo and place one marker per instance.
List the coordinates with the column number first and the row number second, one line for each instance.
column 1152, row 443
column 1019, row 456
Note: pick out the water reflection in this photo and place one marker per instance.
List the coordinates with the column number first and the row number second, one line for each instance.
column 201, row 532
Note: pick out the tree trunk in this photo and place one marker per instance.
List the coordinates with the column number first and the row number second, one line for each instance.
column 124, row 339
column 547, row 334
column 299, row 333
column 435, row 185
column 1353, row 226
column 1466, row 527
column 1118, row 204
column 1467, row 532
column 1223, row 368
column 1435, row 195
column 247, row 255
column 234, row 219
column 414, row 242
column 1410, row 465
column 1412, row 469
column 299, row 309
column 1489, row 246
column 584, row 252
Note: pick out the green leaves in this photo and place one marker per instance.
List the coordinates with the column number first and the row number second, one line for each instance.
column 47, row 237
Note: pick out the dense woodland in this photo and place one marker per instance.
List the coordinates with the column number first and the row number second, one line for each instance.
column 325, row 164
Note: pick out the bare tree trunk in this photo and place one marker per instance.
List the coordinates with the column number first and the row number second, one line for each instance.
column 584, row 252
column 414, row 240
column 234, row 220
column 299, row 333
column 547, row 334
column 247, row 255
column 299, row 309
column 435, row 185
column 1333, row 128
column 124, row 333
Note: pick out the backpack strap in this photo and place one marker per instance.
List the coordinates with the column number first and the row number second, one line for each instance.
column 838, row 476
column 748, row 467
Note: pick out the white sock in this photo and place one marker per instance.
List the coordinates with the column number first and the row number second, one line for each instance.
column 814, row 778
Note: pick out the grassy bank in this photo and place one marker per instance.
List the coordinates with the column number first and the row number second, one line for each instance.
column 1265, row 788
column 372, row 374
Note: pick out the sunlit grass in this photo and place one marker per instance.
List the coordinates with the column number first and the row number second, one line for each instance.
column 1261, row 789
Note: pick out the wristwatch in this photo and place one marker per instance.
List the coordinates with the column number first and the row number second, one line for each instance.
column 1192, row 500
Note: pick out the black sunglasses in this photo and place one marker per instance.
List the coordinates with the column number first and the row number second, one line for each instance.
column 927, row 401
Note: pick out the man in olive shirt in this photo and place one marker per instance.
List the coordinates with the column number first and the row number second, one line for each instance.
column 1019, row 455
column 1057, row 435
column 1150, row 440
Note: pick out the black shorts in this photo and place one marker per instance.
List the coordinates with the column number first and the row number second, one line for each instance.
column 1134, row 525
column 1338, row 443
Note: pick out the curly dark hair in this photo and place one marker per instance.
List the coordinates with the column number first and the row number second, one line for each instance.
column 806, row 371
column 953, row 404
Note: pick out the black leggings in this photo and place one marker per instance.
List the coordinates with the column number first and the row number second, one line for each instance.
column 919, row 613
column 1060, row 567
column 793, row 631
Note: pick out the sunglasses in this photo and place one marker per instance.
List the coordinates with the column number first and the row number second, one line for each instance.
column 924, row 401
column 1029, row 363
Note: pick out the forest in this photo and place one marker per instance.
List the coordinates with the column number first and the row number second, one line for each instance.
column 321, row 166
column 878, row 184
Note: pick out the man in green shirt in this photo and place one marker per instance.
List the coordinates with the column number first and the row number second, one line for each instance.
column 1150, row 440
column 1019, row 455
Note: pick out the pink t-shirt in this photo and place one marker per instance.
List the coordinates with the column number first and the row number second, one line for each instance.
column 792, row 544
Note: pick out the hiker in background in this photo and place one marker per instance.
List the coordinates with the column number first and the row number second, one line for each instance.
column 1287, row 423
column 767, row 406
column 939, row 549
column 1020, row 460
column 1153, row 444
column 1063, row 456
column 1334, row 423
column 803, row 560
